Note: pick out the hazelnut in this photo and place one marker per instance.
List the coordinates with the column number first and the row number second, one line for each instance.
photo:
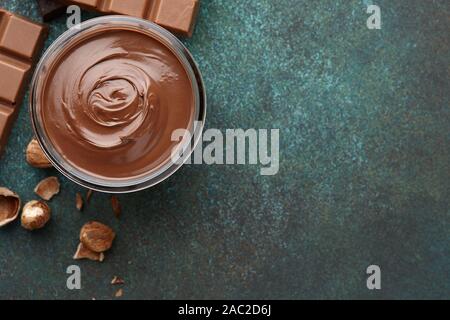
column 85, row 253
column 97, row 236
column 35, row 215
column 47, row 188
column 9, row 206
column 36, row 157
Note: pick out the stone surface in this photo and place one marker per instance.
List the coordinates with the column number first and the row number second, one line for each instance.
column 364, row 168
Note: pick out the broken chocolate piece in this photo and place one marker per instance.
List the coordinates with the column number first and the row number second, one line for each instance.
column 51, row 9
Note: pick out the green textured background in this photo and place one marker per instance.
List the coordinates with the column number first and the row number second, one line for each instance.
column 364, row 172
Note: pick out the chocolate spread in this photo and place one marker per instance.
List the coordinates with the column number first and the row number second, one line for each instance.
column 111, row 101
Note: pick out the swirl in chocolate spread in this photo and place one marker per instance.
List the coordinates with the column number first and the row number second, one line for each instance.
column 112, row 101
column 116, row 94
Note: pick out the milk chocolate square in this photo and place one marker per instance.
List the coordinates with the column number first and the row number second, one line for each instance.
column 135, row 8
column 7, row 117
column 20, row 36
column 177, row 15
column 12, row 75
column 90, row 3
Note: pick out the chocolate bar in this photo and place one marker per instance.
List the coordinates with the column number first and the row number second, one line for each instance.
column 178, row 16
column 20, row 42
column 51, row 9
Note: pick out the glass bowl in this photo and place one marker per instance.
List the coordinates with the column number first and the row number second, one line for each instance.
column 184, row 148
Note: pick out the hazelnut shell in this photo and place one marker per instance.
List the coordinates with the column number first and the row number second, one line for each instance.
column 9, row 206
column 79, row 202
column 47, row 188
column 85, row 253
column 116, row 206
